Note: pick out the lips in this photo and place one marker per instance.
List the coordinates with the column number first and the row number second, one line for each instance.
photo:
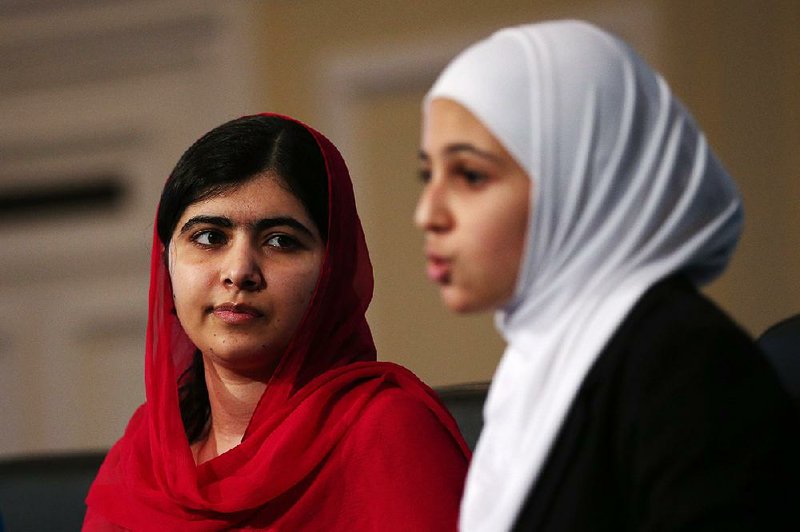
column 236, row 314
column 438, row 269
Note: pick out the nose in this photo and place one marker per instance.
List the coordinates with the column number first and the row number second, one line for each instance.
column 241, row 268
column 432, row 213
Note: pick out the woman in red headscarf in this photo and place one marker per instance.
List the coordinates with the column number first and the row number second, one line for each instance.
column 266, row 408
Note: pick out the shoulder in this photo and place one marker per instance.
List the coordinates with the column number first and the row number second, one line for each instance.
column 686, row 389
column 400, row 428
column 395, row 411
column 398, row 455
column 675, row 331
column 673, row 312
column 680, row 370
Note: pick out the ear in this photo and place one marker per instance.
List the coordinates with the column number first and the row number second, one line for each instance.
column 168, row 253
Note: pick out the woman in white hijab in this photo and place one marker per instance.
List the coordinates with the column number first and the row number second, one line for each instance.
column 568, row 189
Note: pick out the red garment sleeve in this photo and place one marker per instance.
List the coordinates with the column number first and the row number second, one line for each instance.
column 403, row 469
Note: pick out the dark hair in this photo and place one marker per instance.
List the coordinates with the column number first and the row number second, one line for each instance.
column 223, row 158
column 237, row 151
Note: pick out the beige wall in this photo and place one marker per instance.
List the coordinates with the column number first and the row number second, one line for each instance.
column 357, row 71
column 92, row 89
column 736, row 65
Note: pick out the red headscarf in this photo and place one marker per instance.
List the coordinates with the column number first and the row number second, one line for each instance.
column 295, row 448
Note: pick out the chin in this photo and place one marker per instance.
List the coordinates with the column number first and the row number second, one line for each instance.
column 460, row 303
column 244, row 358
column 463, row 301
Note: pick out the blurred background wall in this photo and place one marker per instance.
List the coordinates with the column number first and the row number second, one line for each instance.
column 98, row 99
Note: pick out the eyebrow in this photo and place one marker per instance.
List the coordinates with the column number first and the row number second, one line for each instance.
column 460, row 147
column 260, row 225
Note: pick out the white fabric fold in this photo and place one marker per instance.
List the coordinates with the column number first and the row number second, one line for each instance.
column 625, row 191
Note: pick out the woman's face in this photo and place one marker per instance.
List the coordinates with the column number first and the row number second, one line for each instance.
column 473, row 210
column 244, row 265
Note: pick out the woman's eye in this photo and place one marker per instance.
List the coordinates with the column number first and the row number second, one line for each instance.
column 209, row 238
column 282, row 241
column 472, row 177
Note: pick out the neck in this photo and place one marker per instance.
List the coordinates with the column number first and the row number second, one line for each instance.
column 233, row 398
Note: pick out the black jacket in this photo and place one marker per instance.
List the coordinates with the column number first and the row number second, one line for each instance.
column 679, row 425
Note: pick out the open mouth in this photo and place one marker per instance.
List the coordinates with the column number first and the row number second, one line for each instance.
column 438, row 269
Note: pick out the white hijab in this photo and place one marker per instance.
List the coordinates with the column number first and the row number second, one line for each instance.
column 624, row 192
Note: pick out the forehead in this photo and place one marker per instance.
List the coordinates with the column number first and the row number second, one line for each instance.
column 450, row 130
column 447, row 121
column 265, row 193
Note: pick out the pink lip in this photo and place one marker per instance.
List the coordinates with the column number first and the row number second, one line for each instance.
column 236, row 314
column 438, row 269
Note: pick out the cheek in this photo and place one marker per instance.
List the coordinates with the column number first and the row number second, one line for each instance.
column 498, row 246
column 515, row 227
column 494, row 236
column 307, row 284
column 296, row 286
column 512, row 238
column 187, row 284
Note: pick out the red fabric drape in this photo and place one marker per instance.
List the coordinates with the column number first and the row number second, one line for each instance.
column 337, row 441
